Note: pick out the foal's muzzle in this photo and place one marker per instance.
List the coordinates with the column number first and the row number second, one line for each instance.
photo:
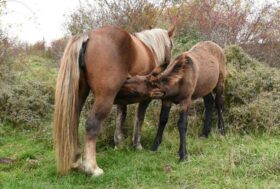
column 157, row 94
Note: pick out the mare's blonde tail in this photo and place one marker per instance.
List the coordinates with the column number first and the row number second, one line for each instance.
column 66, row 105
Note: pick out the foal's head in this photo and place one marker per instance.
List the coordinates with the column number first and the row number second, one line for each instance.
column 168, row 82
column 161, row 82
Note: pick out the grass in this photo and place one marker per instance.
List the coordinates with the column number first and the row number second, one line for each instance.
column 234, row 161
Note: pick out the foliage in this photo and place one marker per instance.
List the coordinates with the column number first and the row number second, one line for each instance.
column 56, row 49
column 130, row 14
column 27, row 93
column 252, row 93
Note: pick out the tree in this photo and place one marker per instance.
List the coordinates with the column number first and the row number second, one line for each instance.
column 134, row 15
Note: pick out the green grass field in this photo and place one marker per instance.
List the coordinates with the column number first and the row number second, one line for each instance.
column 234, row 161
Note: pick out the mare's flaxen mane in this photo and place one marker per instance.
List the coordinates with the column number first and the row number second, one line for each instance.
column 157, row 40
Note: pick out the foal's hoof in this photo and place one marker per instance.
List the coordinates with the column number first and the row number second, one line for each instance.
column 183, row 159
column 203, row 135
column 222, row 132
column 154, row 149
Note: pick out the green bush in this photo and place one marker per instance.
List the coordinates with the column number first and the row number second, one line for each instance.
column 26, row 95
column 260, row 115
column 27, row 104
column 252, row 93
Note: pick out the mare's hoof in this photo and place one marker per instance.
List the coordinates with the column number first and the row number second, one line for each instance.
column 78, row 164
column 93, row 172
column 119, row 146
column 138, row 147
column 97, row 172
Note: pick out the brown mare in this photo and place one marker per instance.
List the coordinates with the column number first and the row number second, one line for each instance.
column 100, row 62
column 199, row 72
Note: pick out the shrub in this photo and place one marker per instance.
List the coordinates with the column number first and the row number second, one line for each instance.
column 25, row 97
column 252, row 93
column 260, row 115
column 26, row 104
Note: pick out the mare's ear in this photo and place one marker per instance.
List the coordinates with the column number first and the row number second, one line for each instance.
column 172, row 31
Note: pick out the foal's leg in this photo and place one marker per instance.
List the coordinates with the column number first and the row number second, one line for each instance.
column 208, row 102
column 182, row 127
column 164, row 114
column 219, row 106
column 101, row 108
column 140, row 115
column 121, row 115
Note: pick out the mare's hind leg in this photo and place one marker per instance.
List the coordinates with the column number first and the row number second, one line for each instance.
column 83, row 94
column 208, row 102
column 121, row 115
column 101, row 108
column 140, row 115
column 219, row 106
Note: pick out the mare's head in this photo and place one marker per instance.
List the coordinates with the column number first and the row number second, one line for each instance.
column 159, row 41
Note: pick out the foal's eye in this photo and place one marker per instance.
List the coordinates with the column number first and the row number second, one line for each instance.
column 164, row 81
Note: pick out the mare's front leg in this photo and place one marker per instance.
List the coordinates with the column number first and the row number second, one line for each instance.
column 121, row 116
column 208, row 102
column 182, row 127
column 140, row 115
column 164, row 114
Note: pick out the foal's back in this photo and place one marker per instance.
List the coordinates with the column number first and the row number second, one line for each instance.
column 209, row 67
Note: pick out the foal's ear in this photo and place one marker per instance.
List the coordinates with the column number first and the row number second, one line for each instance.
column 179, row 70
column 155, row 73
column 172, row 31
column 128, row 77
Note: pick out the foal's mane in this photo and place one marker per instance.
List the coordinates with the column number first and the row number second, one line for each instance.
column 176, row 70
column 157, row 40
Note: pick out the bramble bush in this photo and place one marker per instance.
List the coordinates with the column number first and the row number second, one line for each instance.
column 252, row 93
column 26, row 97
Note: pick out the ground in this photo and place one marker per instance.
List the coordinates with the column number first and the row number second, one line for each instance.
column 234, row 161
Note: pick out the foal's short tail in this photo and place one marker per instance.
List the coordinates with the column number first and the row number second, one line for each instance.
column 66, row 105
